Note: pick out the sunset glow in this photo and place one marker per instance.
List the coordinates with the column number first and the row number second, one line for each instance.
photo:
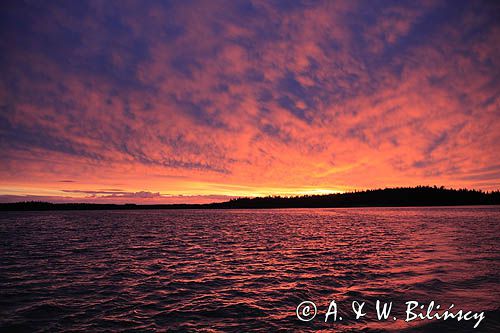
column 158, row 102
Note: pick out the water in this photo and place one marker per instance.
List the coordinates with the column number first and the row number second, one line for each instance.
column 245, row 270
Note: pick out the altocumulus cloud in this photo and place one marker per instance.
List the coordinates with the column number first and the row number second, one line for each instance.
column 267, row 96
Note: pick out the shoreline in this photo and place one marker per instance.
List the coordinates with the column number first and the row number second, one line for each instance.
column 420, row 196
column 4, row 207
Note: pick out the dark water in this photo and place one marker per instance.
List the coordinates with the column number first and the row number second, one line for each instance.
column 245, row 270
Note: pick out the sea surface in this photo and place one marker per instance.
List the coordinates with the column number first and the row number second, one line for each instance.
column 246, row 270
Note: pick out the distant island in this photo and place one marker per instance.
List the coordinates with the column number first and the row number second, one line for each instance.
column 389, row 197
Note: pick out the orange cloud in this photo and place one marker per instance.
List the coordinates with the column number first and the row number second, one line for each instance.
column 218, row 99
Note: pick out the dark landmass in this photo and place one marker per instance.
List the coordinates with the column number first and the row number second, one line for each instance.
column 389, row 197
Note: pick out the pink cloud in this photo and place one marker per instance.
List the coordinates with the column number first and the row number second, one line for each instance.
column 329, row 96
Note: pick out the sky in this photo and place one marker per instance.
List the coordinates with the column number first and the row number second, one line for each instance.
column 202, row 101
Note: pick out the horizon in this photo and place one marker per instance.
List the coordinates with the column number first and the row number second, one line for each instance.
column 199, row 102
column 121, row 201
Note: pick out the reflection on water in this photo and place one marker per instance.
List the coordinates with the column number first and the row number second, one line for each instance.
column 244, row 270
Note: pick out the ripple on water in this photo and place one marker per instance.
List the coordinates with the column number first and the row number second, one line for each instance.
column 242, row 270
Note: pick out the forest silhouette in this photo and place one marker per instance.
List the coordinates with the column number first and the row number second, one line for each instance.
column 389, row 197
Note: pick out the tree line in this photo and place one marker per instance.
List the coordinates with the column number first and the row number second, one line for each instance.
column 388, row 197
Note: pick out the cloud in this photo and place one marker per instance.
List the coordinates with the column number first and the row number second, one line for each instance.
column 183, row 97
column 112, row 193
column 137, row 197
